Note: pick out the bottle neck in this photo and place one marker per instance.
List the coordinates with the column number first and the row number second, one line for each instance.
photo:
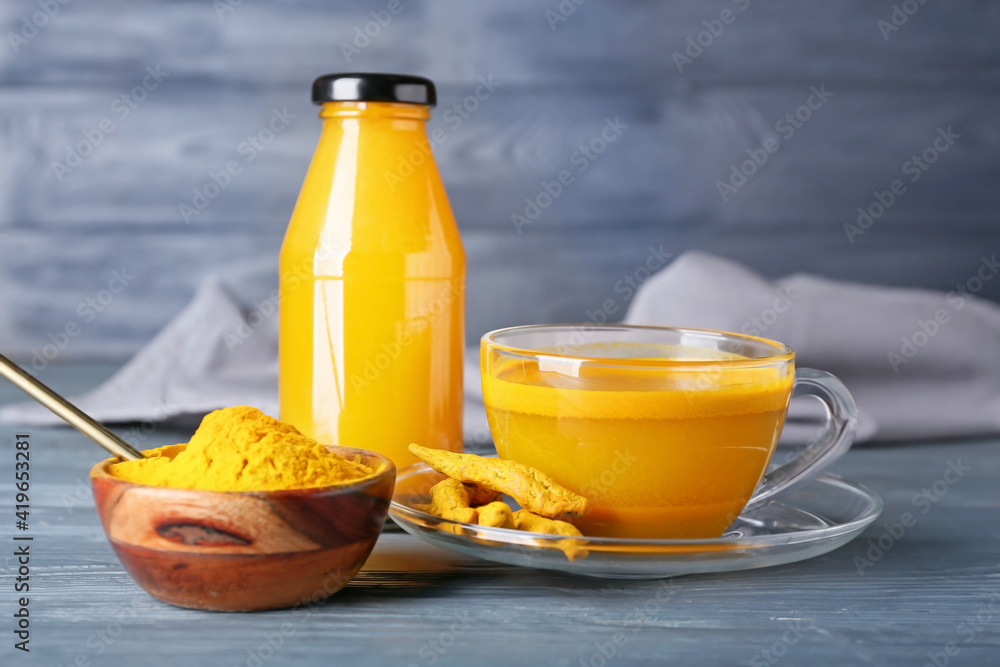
column 400, row 116
column 383, row 132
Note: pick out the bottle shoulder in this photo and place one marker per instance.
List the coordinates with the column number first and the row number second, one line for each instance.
column 373, row 197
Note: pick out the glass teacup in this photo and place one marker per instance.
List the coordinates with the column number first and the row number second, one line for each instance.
column 667, row 431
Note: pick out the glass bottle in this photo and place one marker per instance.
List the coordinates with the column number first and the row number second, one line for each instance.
column 372, row 277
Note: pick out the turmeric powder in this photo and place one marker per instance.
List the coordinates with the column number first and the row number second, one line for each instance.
column 242, row 449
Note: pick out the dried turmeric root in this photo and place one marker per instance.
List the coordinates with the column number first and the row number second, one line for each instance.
column 480, row 495
column 525, row 520
column 450, row 500
column 496, row 515
column 532, row 489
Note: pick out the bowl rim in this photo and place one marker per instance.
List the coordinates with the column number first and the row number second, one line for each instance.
column 385, row 469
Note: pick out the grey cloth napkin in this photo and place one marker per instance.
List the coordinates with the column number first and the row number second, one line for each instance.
column 207, row 357
column 213, row 354
column 911, row 379
column 919, row 363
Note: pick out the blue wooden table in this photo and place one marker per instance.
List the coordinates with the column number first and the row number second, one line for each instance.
column 926, row 594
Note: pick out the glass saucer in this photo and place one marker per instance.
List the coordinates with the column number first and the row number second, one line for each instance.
column 821, row 516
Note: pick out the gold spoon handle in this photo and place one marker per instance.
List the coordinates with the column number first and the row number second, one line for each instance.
column 68, row 412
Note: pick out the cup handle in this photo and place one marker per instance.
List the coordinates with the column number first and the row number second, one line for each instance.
column 834, row 439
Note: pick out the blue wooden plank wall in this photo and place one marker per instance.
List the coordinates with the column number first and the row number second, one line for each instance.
column 693, row 85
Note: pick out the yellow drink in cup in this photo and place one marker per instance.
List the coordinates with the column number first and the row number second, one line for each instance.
column 668, row 432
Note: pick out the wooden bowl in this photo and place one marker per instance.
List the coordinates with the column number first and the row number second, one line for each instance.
column 244, row 551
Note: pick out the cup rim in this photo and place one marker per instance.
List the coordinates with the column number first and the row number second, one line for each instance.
column 783, row 353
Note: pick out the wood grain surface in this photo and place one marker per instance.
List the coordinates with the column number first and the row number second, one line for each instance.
column 863, row 604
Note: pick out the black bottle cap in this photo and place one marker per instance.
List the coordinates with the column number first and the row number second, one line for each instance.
column 365, row 87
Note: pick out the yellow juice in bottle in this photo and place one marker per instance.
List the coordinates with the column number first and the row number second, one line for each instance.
column 372, row 278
